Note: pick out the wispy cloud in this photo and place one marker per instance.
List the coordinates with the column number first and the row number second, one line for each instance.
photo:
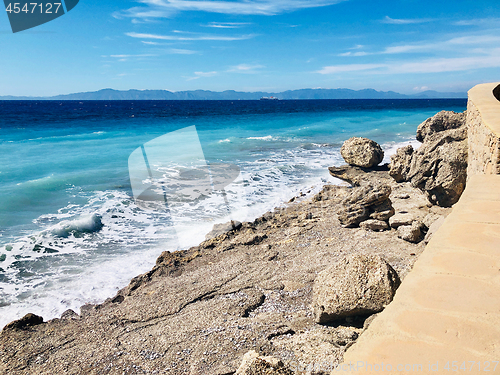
column 167, row 8
column 179, row 51
column 407, row 21
column 188, row 38
column 349, row 68
column 478, row 22
column 432, row 65
column 359, row 53
column 227, row 25
column 198, row 75
column 245, row 68
column 450, row 46
column 128, row 57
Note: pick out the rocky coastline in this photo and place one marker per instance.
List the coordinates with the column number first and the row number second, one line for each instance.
column 279, row 295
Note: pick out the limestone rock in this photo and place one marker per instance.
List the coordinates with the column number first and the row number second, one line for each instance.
column 362, row 152
column 253, row 364
column 400, row 163
column 439, row 166
column 400, row 219
column 219, row 229
column 370, row 200
column 374, row 225
column 26, row 321
column 411, row 233
column 356, row 285
column 382, row 211
column 444, row 120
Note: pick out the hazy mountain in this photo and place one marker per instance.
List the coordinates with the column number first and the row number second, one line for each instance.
column 110, row 94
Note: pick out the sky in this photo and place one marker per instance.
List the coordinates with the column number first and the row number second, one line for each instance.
column 407, row 46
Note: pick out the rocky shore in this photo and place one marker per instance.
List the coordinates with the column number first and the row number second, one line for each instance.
column 279, row 295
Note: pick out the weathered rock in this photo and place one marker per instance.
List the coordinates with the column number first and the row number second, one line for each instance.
column 253, row 364
column 70, row 314
column 444, row 120
column 357, row 176
column 374, row 225
column 411, row 233
column 439, row 166
column 400, row 163
column 219, row 229
column 29, row 320
column 371, row 200
column 352, row 215
column 356, row 285
column 382, row 211
column 400, row 219
column 362, row 152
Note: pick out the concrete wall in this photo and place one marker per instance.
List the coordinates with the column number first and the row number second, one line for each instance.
column 483, row 122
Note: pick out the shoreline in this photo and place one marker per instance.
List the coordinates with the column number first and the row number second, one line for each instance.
column 253, row 288
column 249, row 289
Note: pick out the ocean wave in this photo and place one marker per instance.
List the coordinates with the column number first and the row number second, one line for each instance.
column 265, row 138
column 78, row 227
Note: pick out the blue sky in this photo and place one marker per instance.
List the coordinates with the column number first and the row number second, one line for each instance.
column 255, row 45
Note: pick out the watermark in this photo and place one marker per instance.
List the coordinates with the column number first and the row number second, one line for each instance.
column 24, row 15
column 170, row 174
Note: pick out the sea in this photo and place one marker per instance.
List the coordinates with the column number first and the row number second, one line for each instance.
column 73, row 229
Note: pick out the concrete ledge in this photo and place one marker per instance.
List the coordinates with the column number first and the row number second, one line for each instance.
column 483, row 123
column 487, row 105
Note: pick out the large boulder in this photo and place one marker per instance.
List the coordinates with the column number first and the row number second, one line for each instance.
column 362, row 152
column 360, row 284
column 439, row 166
column 444, row 120
column 370, row 201
column 400, row 163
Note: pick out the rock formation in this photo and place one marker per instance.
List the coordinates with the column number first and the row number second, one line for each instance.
column 439, row 166
column 253, row 364
column 356, row 285
column 362, row 152
column 370, row 201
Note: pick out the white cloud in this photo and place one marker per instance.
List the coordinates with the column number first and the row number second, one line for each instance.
column 433, row 65
column 167, row 8
column 400, row 21
column 245, row 68
column 360, row 53
column 198, row 75
column 349, row 68
column 478, row 22
column 227, row 25
column 178, row 51
column 186, row 38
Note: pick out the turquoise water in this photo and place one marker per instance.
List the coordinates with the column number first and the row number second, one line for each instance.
column 70, row 230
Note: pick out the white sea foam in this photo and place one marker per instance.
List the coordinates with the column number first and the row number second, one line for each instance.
column 85, row 253
column 266, row 138
column 391, row 148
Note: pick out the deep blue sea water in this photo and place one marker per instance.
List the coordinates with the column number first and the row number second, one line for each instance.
column 70, row 229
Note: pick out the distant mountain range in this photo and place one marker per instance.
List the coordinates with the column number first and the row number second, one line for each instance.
column 110, row 94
